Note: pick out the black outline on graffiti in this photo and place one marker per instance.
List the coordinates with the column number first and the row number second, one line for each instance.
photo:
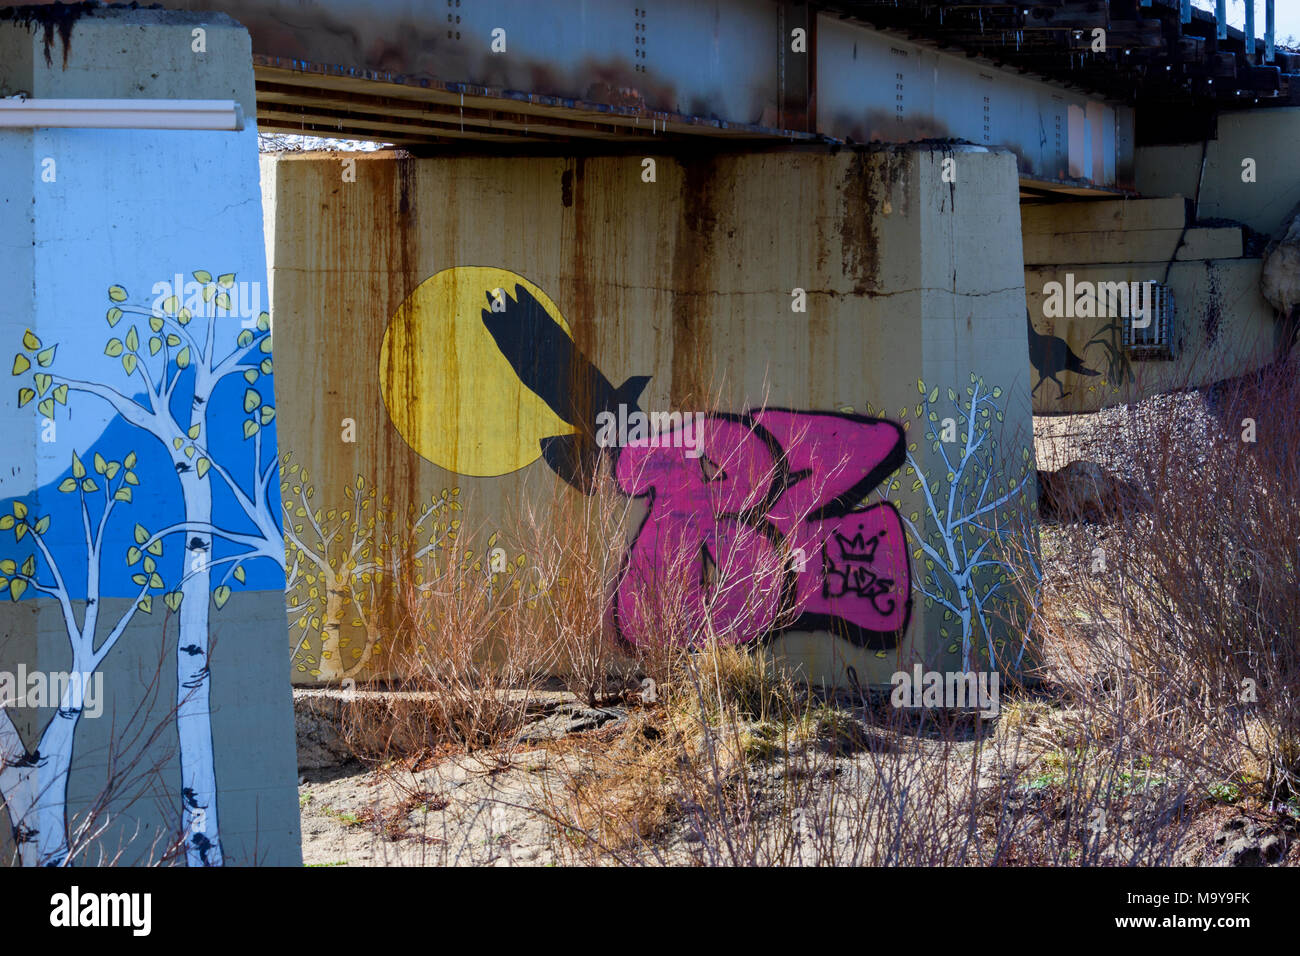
column 839, row 506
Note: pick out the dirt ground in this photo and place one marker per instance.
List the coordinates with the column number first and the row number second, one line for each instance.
column 499, row 809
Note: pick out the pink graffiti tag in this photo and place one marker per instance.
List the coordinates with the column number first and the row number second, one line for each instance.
column 754, row 527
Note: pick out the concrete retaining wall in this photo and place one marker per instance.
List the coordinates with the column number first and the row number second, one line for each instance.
column 1222, row 327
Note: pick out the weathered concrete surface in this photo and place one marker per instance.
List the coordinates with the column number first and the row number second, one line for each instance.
column 687, row 279
column 1222, row 325
column 1266, row 136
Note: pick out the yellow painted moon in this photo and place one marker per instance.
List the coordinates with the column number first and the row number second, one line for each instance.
column 450, row 393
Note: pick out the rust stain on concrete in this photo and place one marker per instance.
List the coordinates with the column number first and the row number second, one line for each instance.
column 693, row 270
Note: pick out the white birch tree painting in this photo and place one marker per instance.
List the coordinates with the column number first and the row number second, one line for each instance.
column 33, row 783
column 172, row 355
column 971, row 503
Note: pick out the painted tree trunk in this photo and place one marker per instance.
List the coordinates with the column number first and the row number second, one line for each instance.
column 332, row 665
column 193, row 685
column 36, row 796
column 331, row 650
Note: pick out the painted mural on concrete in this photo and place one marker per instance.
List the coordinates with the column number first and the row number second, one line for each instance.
column 772, row 497
column 140, row 511
column 775, row 495
column 192, row 380
column 976, row 511
column 1052, row 356
column 346, row 558
column 756, row 522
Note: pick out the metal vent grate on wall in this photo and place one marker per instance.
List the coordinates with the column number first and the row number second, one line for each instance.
column 1155, row 339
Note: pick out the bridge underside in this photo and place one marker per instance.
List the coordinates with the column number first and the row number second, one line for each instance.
column 552, row 75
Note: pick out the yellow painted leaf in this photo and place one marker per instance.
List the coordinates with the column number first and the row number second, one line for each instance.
column 113, row 348
column 68, row 485
column 203, row 466
column 30, row 341
column 46, row 407
column 114, row 315
column 25, row 395
column 21, row 364
column 221, row 595
column 226, row 281
column 183, row 358
column 117, row 293
column 60, row 394
column 203, row 276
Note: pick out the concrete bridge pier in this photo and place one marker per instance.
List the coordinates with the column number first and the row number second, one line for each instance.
column 840, row 286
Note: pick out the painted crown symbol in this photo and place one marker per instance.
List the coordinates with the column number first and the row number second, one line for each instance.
column 856, row 548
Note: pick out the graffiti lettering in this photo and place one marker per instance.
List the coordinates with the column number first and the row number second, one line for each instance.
column 719, row 542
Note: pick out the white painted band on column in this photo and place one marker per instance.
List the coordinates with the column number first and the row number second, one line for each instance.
column 121, row 114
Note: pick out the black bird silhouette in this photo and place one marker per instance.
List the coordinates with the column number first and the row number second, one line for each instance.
column 1050, row 355
column 550, row 365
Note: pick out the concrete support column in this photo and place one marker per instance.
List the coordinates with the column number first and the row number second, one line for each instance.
column 845, row 289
